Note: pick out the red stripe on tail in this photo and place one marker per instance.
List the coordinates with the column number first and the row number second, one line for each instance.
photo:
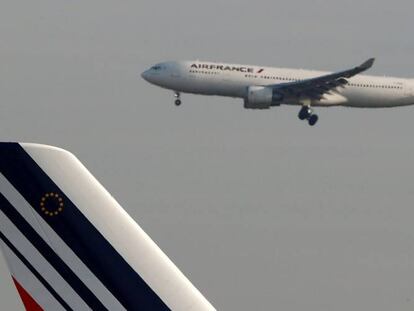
column 29, row 303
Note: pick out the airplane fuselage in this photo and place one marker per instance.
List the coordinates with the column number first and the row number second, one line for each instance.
column 232, row 80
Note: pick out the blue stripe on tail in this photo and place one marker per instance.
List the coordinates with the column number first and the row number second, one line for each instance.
column 47, row 252
column 35, row 273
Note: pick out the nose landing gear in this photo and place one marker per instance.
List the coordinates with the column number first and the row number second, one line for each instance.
column 306, row 113
column 177, row 101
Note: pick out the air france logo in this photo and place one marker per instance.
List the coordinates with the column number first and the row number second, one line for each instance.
column 51, row 204
column 225, row 68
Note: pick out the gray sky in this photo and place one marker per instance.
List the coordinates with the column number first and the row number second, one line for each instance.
column 260, row 211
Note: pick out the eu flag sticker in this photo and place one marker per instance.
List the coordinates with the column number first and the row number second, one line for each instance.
column 51, row 204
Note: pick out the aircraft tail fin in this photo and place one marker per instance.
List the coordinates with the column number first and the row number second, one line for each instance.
column 70, row 246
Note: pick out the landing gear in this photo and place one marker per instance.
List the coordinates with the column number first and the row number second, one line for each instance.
column 313, row 119
column 177, row 101
column 306, row 113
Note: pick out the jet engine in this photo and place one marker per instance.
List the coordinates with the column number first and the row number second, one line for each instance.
column 262, row 97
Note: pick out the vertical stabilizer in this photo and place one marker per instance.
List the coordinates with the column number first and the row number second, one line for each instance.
column 70, row 246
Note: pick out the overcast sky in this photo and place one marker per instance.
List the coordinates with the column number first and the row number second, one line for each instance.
column 260, row 211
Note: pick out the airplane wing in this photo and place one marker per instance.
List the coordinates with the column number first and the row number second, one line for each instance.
column 315, row 88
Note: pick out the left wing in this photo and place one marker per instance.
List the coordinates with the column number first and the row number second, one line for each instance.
column 315, row 88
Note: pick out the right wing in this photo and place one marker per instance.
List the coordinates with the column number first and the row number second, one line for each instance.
column 315, row 88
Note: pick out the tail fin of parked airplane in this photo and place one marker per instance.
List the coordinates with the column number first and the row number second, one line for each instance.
column 70, row 246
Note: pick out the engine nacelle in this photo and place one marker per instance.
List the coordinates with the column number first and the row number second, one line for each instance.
column 261, row 97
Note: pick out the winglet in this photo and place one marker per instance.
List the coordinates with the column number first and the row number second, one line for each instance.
column 368, row 64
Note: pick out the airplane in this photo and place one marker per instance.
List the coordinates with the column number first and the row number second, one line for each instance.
column 70, row 246
column 265, row 87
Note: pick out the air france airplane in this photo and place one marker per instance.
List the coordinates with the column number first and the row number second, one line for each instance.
column 265, row 87
column 70, row 246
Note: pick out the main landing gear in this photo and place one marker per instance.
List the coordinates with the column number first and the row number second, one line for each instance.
column 177, row 101
column 306, row 113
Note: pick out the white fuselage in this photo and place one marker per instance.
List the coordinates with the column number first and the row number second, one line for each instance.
column 207, row 78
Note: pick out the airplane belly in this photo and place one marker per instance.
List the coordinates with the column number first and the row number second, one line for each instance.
column 377, row 99
column 213, row 86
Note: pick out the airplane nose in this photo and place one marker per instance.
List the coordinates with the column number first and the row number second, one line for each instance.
column 144, row 75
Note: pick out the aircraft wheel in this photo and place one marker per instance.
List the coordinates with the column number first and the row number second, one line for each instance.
column 177, row 102
column 304, row 113
column 313, row 119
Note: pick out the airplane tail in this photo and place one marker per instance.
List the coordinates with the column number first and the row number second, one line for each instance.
column 70, row 246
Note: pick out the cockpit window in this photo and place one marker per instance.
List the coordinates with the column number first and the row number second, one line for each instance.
column 156, row 67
